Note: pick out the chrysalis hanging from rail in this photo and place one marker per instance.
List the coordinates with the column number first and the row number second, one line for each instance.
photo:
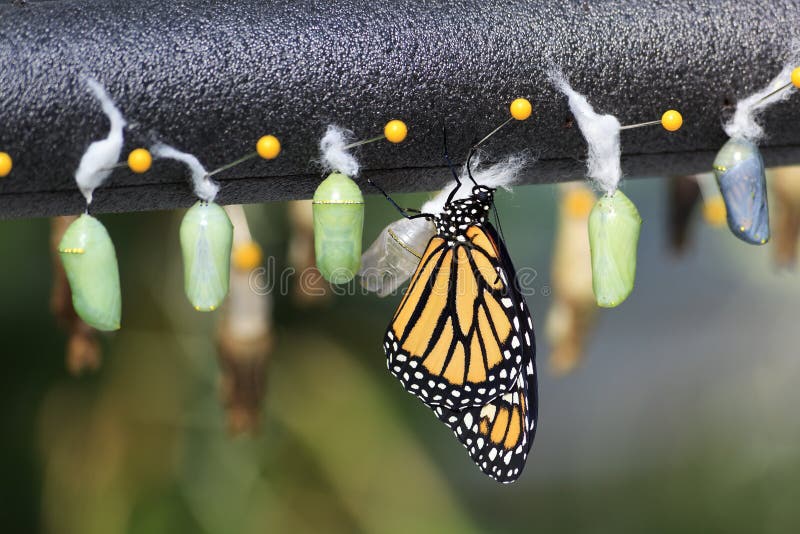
column 614, row 222
column 86, row 250
column 739, row 167
column 338, row 204
column 206, row 232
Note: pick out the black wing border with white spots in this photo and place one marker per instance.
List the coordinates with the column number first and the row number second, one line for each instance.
column 507, row 465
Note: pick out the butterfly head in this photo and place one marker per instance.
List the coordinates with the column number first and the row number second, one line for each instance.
column 458, row 215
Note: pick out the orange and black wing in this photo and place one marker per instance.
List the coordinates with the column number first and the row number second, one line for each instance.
column 498, row 436
column 462, row 332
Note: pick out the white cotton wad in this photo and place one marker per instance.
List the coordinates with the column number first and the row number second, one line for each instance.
column 501, row 174
column 394, row 255
column 743, row 124
column 204, row 188
column 333, row 153
column 96, row 163
column 601, row 133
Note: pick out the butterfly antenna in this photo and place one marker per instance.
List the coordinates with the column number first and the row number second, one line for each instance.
column 447, row 156
column 469, row 165
column 450, row 164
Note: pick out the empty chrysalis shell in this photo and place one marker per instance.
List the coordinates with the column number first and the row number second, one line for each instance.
column 740, row 174
column 614, row 225
column 206, row 237
column 395, row 255
column 90, row 263
column 338, row 207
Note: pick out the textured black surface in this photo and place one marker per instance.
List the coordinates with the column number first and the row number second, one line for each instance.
column 211, row 77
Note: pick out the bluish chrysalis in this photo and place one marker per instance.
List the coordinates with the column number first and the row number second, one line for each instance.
column 740, row 174
column 206, row 238
column 90, row 263
column 338, row 207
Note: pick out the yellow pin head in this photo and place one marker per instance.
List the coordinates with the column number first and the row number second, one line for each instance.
column 520, row 109
column 395, row 131
column 268, row 147
column 247, row 256
column 671, row 120
column 796, row 77
column 140, row 160
column 6, row 164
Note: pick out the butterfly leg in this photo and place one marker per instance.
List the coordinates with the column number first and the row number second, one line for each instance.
column 403, row 211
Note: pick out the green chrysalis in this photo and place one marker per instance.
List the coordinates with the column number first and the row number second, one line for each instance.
column 90, row 263
column 614, row 225
column 206, row 238
column 338, row 225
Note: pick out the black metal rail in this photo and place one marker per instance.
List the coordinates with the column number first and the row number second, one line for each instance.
column 210, row 77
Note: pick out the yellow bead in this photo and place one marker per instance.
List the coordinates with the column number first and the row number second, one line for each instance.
column 520, row 109
column 671, row 120
column 140, row 160
column 714, row 211
column 268, row 147
column 796, row 77
column 395, row 131
column 247, row 256
column 5, row 164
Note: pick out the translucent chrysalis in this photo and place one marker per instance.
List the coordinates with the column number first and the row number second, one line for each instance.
column 740, row 174
column 206, row 236
column 614, row 225
column 395, row 254
column 90, row 263
column 338, row 207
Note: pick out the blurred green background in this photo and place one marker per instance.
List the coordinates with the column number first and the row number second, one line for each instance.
column 683, row 417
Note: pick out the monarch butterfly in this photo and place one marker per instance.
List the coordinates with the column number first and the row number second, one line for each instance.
column 462, row 338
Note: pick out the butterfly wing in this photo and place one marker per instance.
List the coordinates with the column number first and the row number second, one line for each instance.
column 460, row 336
column 507, row 266
column 498, row 436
